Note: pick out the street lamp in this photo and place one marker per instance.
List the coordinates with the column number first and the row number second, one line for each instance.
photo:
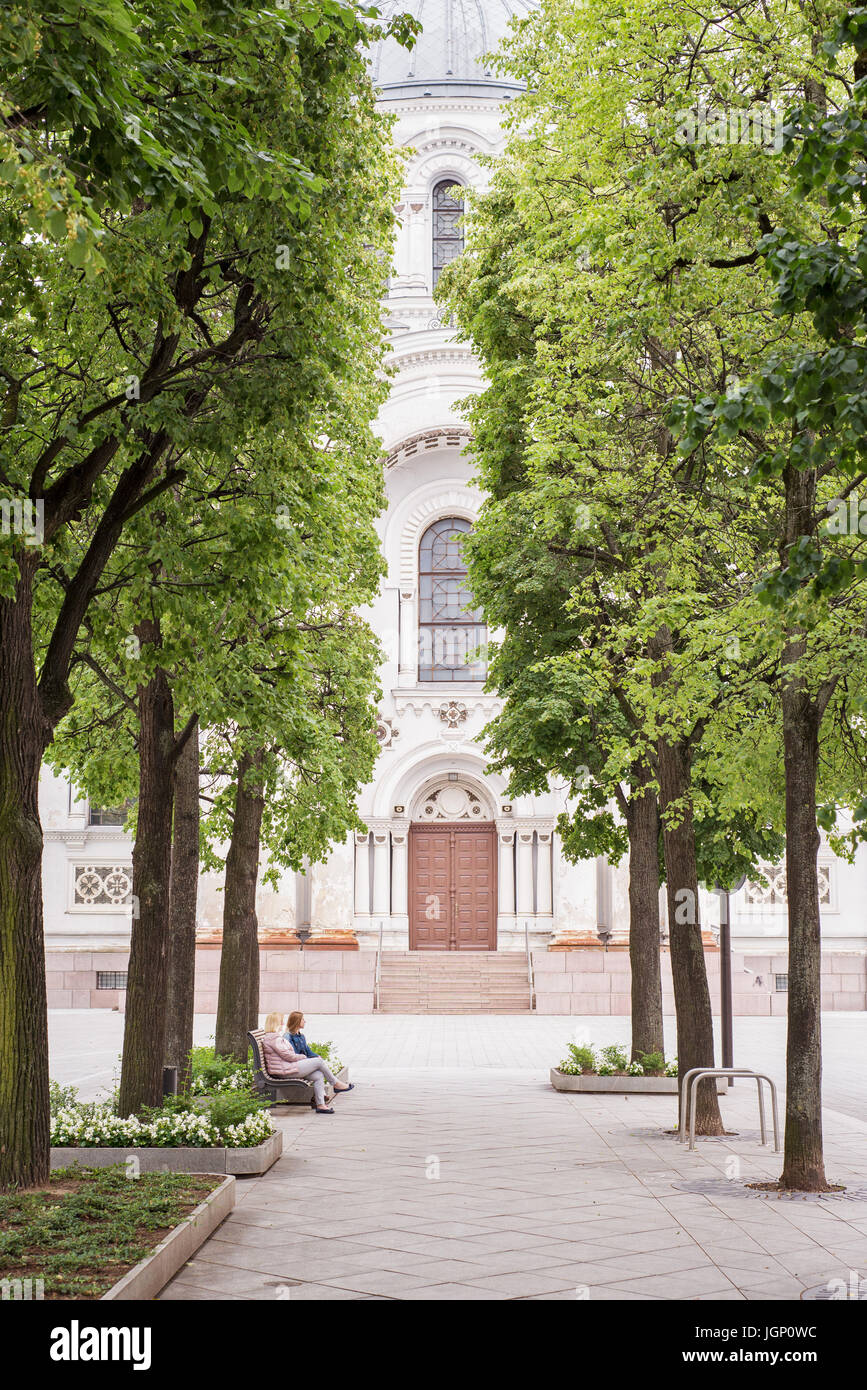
column 725, row 970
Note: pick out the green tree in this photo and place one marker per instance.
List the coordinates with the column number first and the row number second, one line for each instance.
column 228, row 272
column 630, row 250
column 814, row 400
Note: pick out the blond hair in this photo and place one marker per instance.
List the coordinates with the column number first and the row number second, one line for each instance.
column 274, row 1023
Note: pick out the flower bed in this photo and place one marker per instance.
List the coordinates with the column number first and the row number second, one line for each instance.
column 96, row 1126
column 86, row 1229
column 607, row 1069
column 225, row 1132
column 583, row 1059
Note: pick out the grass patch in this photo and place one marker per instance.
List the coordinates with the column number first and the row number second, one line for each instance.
column 89, row 1226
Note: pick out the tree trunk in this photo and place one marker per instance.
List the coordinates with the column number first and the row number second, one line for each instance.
column 181, row 980
column 240, row 927
column 141, row 1078
column 691, row 992
column 642, row 822
column 24, row 1118
column 253, row 1001
column 803, row 1158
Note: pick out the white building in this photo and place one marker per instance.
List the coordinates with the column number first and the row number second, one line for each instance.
column 449, row 863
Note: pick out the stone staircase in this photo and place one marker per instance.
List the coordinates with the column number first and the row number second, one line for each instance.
column 454, row 982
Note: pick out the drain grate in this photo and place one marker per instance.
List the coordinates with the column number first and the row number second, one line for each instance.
column 719, row 1187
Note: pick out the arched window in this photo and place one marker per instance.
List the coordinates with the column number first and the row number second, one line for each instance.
column 448, row 635
column 448, row 236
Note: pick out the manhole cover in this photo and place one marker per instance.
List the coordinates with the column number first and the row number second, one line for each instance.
column 649, row 1132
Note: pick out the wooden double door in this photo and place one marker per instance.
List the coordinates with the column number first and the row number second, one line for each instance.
column 452, row 887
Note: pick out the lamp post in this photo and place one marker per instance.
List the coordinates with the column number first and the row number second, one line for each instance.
column 725, row 971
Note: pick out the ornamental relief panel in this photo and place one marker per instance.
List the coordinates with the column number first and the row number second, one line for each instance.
column 451, row 802
column 386, row 732
column 773, row 893
column 101, row 885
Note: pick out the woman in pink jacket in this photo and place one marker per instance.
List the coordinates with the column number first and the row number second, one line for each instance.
column 281, row 1060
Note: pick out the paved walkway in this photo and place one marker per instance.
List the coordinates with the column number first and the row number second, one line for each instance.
column 478, row 1185
column 85, row 1045
column 432, row 1182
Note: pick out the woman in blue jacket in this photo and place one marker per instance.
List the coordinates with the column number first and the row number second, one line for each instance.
column 294, row 1036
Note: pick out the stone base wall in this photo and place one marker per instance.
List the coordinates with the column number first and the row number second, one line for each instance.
column 588, row 980
column 595, row 981
column 317, row 981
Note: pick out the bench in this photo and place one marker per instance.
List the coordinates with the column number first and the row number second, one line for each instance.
column 282, row 1089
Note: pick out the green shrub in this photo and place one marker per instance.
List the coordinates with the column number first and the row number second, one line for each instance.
column 210, row 1073
column 61, row 1097
column 582, row 1055
column 227, row 1108
column 651, row 1062
column 613, row 1059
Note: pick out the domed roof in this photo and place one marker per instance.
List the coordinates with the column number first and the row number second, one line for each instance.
column 447, row 52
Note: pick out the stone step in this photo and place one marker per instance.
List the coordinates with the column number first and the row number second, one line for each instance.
column 465, row 994
column 489, row 969
column 455, row 1009
column 453, row 982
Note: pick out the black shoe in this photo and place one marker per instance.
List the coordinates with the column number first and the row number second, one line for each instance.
column 323, row 1111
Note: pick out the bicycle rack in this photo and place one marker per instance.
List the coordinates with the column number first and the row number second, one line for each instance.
column 697, row 1074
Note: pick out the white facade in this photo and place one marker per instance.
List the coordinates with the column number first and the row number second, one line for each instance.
column 431, row 767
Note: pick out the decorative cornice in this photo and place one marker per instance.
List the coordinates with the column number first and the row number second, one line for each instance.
column 449, row 437
column 487, row 705
column 449, row 354
column 88, row 834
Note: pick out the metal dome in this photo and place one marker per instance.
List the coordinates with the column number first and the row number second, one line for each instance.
column 448, row 51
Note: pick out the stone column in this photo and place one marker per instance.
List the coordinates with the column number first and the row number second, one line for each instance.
column 400, row 883
column 603, row 895
column 381, row 875
column 524, row 874
column 544, row 874
column 506, row 867
column 362, row 878
column 408, row 637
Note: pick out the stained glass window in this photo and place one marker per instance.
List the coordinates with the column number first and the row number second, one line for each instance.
column 448, row 235
column 448, row 635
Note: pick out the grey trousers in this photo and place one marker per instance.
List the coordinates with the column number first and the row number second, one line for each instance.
column 315, row 1070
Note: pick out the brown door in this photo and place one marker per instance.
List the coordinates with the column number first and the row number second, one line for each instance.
column 452, row 888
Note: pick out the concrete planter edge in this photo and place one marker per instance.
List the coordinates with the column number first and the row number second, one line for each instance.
column 146, row 1279
column 183, row 1159
column 646, row 1085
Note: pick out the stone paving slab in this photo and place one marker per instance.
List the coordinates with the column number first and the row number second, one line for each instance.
column 478, row 1185
column 85, row 1045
